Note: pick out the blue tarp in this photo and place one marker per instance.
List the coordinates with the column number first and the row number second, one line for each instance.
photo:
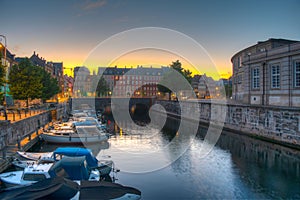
column 73, row 168
column 77, row 151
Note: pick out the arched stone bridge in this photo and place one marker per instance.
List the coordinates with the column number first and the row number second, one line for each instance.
column 104, row 104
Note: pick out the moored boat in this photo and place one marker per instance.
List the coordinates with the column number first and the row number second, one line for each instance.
column 104, row 166
column 34, row 156
column 23, row 163
column 73, row 168
column 61, row 188
column 86, row 134
column 29, row 175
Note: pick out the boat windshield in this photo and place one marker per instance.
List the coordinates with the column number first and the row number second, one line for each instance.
column 34, row 177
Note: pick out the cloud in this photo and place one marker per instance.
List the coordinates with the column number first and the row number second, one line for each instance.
column 91, row 5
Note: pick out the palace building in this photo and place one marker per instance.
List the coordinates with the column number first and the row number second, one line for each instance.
column 268, row 73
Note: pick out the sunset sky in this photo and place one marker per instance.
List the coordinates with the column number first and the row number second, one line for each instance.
column 68, row 30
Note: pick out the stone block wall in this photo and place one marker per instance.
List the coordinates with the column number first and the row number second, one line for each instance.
column 10, row 133
column 276, row 123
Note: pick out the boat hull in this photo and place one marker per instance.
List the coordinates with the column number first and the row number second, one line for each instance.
column 10, row 179
column 62, row 139
column 34, row 156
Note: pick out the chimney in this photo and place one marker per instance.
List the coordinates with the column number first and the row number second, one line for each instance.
column 34, row 53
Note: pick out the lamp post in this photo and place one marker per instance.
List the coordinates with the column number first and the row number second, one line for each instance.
column 6, row 76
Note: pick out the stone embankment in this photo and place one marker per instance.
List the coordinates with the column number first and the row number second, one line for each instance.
column 275, row 124
column 23, row 134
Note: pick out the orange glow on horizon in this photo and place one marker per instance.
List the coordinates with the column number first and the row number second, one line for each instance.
column 145, row 58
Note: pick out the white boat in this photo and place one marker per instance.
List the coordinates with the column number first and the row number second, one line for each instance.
column 23, row 163
column 83, row 134
column 34, row 155
column 74, row 168
column 29, row 175
column 104, row 166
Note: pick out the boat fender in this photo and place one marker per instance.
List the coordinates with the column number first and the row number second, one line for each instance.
column 70, row 138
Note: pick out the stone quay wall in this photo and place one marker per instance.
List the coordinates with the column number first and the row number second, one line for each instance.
column 275, row 124
column 11, row 133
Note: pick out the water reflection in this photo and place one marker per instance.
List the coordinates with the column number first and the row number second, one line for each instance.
column 237, row 167
column 266, row 167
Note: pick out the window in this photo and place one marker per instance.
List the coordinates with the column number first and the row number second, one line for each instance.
column 255, row 78
column 275, row 76
column 34, row 177
column 297, row 74
column 240, row 61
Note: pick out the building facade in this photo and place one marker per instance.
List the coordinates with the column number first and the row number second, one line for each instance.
column 268, row 73
column 8, row 61
column 136, row 82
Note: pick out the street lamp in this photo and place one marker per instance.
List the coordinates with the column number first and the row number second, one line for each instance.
column 6, row 76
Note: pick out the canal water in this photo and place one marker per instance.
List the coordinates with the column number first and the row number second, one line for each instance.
column 237, row 167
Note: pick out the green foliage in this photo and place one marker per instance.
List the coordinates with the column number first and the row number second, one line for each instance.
column 167, row 80
column 187, row 74
column 50, row 85
column 102, row 87
column 31, row 82
column 25, row 81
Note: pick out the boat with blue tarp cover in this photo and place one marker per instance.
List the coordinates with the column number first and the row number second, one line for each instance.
column 104, row 166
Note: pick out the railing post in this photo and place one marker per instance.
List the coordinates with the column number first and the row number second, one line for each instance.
column 5, row 115
column 13, row 116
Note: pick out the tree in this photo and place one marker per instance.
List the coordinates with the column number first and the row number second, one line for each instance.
column 187, row 74
column 102, row 87
column 177, row 66
column 50, row 85
column 25, row 81
column 2, row 79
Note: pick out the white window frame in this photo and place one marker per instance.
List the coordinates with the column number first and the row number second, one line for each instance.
column 296, row 74
column 255, row 79
column 275, row 76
